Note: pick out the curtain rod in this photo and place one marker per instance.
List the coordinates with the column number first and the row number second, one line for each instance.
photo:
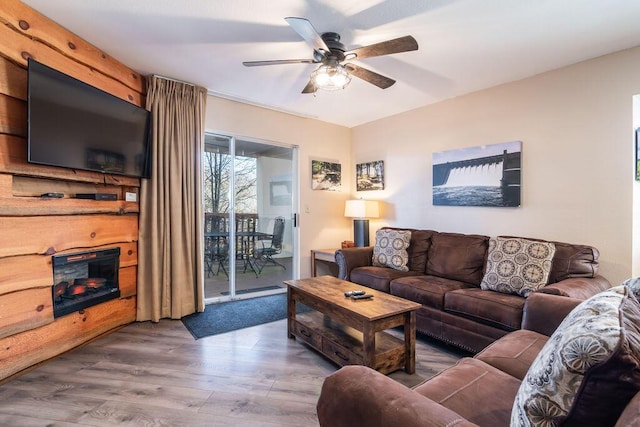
column 173, row 80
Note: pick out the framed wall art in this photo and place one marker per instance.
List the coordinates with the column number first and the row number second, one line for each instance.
column 487, row 175
column 326, row 176
column 370, row 176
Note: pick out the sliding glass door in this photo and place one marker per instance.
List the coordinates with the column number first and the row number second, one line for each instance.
column 249, row 194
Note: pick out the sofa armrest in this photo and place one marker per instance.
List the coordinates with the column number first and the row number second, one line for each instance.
column 360, row 396
column 578, row 287
column 350, row 258
column 543, row 313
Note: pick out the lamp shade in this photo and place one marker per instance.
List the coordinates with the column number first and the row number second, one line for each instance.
column 361, row 208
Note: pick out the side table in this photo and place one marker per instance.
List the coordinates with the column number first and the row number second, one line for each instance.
column 326, row 257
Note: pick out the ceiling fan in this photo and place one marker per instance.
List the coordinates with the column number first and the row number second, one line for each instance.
column 334, row 74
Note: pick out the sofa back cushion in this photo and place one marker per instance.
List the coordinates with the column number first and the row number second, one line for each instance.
column 571, row 261
column 418, row 248
column 589, row 369
column 457, row 256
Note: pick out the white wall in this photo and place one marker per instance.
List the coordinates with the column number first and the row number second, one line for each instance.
column 576, row 125
column 322, row 222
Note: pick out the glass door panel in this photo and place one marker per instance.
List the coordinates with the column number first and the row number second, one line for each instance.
column 218, row 171
column 250, row 189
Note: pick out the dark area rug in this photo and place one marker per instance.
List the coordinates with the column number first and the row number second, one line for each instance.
column 229, row 316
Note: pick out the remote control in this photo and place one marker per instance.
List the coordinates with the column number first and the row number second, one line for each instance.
column 52, row 195
column 352, row 293
column 363, row 296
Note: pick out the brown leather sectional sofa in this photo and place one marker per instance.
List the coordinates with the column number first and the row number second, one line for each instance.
column 477, row 391
column 445, row 272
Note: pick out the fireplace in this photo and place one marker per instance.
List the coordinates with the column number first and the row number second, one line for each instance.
column 83, row 279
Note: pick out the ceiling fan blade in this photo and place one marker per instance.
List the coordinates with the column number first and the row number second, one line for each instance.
column 310, row 88
column 308, row 33
column 369, row 76
column 401, row 44
column 278, row 62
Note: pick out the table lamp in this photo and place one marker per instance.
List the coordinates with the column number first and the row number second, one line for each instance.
column 361, row 210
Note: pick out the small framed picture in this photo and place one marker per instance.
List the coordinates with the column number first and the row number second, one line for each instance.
column 326, row 176
column 370, row 176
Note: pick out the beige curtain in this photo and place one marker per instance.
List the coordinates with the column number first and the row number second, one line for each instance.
column 170, row 246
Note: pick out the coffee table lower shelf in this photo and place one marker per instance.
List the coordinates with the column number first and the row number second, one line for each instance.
column 344, row 345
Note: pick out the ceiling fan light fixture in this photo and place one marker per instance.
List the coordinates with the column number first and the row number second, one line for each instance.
column 330, row 77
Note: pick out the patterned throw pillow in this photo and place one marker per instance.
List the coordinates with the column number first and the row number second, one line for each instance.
column 517, row 266
column 390, row 249
column 634, row 285
column 589, row 369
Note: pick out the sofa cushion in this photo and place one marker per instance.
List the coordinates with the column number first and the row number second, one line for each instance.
column 457, row 256
column 377, row 278
column 426, row 290
column 418, row 247
column 514, row 353
column 571, row 261
column 390, row 249
column 503, row 311
column 517, row 266
column 479, row 392
column 589, row 369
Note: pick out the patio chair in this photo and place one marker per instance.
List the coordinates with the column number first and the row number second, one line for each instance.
column 269, row 248
column 216, row 251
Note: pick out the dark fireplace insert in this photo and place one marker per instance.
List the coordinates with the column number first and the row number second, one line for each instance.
column 83, row 279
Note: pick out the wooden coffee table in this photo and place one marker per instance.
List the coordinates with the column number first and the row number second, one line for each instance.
column 351, row 332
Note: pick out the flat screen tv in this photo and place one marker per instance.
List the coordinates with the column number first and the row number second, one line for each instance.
column 74, row 125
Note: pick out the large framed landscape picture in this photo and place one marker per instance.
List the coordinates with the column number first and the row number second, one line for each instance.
column 487, row 175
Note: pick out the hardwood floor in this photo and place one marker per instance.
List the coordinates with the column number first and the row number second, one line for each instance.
column 150, row 374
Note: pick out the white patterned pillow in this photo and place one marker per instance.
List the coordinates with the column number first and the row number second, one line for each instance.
column 634, row 285
column 517, row 266
column 390, row 249
column 588, row 370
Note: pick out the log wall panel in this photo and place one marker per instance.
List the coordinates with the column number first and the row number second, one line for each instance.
column 21, row 351
column 32, row 24
column 6, row 185
column 13, row 79
column 52, row 234
column 23, row 186
column 127, row 281
column 19, row 48
column 33, row 228
column 25, row 310
column 13, row 116
column 14, row 206
column 31, row 271
column 13, row 160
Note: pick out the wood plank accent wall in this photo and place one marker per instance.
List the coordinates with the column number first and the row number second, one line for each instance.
column 32, row 228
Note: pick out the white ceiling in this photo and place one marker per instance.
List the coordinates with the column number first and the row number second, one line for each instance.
column 464, row 45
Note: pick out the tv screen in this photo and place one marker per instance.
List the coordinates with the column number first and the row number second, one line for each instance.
column 77, row 126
